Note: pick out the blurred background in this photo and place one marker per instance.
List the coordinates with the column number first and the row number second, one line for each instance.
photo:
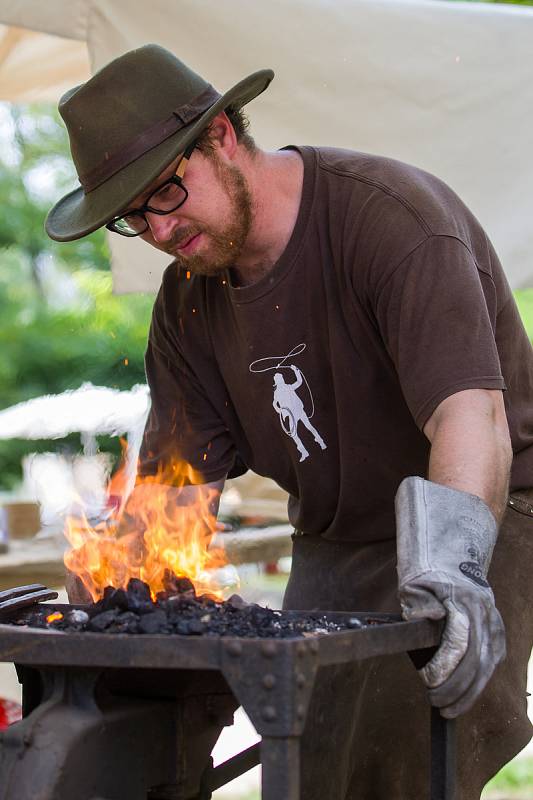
column 62, row 326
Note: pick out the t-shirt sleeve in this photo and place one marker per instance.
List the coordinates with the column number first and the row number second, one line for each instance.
column 436, row 315
column 183, row 426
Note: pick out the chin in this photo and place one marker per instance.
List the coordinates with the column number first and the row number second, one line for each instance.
column 208, row 264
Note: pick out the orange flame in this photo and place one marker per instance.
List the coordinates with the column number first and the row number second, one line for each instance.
column 160, row 528
column 54, row 617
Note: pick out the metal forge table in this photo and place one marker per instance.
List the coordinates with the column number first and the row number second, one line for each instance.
column 110, row 717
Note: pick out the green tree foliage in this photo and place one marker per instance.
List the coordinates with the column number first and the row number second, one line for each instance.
column 35, row 168
column 60, row 323
column 524, row 300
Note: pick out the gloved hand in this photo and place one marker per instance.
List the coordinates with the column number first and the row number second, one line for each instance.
column 445, row 540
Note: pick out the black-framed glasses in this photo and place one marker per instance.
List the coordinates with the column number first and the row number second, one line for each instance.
column 166, row 198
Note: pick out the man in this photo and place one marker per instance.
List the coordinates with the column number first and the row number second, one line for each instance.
column 370, row 279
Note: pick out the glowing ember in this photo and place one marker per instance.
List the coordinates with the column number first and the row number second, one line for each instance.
column 55, row 617
column 155, row 532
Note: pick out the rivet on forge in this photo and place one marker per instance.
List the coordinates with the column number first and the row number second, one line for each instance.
column 269, row 649
column 234, row 649
column 269, row 681
column 269, row 713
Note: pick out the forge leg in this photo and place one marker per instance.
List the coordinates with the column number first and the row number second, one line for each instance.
column 274, row 684
column 72, row 748
column 280, row 761
column 443, row 757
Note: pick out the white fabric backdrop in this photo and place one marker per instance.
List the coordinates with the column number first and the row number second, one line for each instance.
column 36, row 66
column 445, row 86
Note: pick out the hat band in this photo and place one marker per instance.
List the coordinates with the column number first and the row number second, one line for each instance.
column 149, row 139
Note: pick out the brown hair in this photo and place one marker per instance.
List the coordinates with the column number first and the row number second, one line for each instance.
column 240, row 123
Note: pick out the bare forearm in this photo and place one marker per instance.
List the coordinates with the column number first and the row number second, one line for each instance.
column 470, row 446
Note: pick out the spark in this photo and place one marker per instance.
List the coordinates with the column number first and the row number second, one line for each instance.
column 188, row 275
column 126, row 362
column 54, row 617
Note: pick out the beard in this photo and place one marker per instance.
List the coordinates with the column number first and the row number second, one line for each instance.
column 226, row 243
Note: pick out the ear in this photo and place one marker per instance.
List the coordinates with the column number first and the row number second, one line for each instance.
column 224, row 137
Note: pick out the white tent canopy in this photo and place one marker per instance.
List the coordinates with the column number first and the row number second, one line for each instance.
column 92, row 410
column 445, row 86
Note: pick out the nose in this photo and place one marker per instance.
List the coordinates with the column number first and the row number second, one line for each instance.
column 161, row 226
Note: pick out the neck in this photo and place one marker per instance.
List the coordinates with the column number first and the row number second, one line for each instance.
column 275, row 181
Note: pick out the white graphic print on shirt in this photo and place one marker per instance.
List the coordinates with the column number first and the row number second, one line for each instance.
column 286, row 402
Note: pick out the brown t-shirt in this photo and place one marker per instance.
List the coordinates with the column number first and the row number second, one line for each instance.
column 388, row 298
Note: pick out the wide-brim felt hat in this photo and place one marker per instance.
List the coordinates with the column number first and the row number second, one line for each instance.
column 126, row 124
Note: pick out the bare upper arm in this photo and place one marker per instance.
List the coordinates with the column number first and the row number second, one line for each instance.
column 469, row 407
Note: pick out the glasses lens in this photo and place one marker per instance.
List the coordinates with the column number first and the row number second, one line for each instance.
column 167, row 197
column 130, row 225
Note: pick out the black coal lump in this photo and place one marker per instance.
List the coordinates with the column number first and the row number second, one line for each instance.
column 196, row 627
column 174, row 585
column 114, row 598
column 126, row 622
column 100, row 622
column 138, row 589
column 156, row 622
column 182, row 627
column 139, row 598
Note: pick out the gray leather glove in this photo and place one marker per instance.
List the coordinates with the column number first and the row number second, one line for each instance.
column 445, row 540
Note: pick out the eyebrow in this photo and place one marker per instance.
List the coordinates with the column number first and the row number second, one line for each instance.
column 156, row 183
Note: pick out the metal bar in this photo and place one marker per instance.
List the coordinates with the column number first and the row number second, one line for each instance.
column 378, row 640
column 36, row 646
column 443, row 757
column 17, row 591
column 234, row 767
column 280, row 761
column 24, row 600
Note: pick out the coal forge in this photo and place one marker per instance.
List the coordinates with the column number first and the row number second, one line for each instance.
column 179, row 610
column 124, row 716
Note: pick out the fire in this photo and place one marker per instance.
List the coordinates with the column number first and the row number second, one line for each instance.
column 54, row 617
column 157, row 530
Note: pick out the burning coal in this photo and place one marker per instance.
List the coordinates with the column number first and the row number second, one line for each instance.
column 179, row 610
column 166, row 525
column 149, row 569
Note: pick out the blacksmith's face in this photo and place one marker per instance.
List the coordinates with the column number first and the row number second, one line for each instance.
column 207, row 233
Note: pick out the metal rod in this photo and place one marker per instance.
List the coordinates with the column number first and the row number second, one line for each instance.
column 443, row 757
column 24, row 600
column 280, row 761
column 233, row 767
column 17, row 591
